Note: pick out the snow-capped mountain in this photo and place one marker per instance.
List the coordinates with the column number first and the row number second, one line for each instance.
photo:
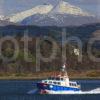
column 41, row 9
column 63, row 14
column 4, row 21
column 66, row 8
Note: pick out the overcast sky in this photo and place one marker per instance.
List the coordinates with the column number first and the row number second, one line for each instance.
column 8, row 7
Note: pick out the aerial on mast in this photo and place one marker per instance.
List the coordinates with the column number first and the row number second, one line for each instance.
column 64, row 72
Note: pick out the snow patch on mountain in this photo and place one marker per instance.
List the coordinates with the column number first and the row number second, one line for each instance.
column 67, row 8
column 48, row 9
column 57, row 20
column 62, row 14
column 40, row 9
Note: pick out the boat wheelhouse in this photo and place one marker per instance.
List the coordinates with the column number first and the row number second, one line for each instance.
column 59, row 84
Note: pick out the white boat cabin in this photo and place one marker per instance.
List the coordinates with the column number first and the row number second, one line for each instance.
column 62, row 81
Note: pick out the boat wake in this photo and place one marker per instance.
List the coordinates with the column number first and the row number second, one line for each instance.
column 60, row 84
column 94, row 91
column 35, row 91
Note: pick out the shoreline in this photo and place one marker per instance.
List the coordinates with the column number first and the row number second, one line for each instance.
column 93, row 74
column 39, row 78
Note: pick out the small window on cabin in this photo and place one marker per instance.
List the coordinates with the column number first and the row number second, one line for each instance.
column 75, row 84
column 49, row 78
column 50, row 81
column 52, row 78
column 72, row 84
column 45, row 81
column 62, row 79
column 57, row 79
column 58, row 83
column 54, row 82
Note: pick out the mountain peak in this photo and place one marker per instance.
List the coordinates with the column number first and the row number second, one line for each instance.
column 40, row 9
column 62, row 14
column 66, row 8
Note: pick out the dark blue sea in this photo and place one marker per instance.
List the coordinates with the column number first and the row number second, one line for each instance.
column 18, row 90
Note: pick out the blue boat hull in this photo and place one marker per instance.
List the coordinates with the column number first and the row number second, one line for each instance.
column 42, row 86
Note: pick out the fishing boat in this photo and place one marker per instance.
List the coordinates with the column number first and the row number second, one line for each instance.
column 58, row 84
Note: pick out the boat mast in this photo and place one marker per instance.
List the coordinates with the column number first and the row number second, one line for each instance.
column 64, row 71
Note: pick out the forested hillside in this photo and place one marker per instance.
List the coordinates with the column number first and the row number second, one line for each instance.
column 19, row 67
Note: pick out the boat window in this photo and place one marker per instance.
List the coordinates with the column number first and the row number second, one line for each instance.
column 53, row 78
column 45, row 81
column 57, row 78
column 50, row 81
column 75, row 84
column 59, row 83
column 55, row 82
column 62, row 79
column 72, row 84
column 49, row 78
